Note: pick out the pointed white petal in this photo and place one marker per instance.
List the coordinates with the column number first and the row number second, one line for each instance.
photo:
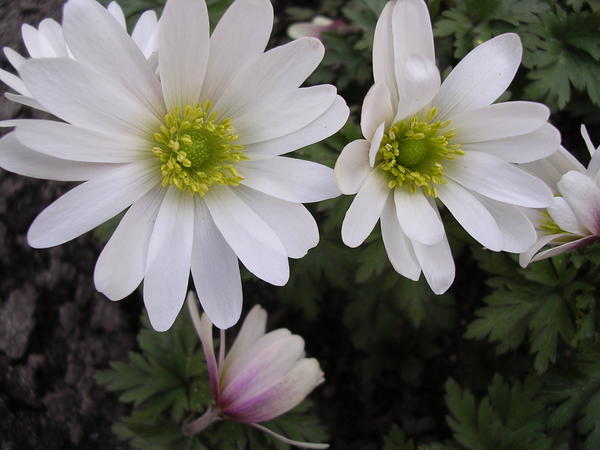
column 53, row 33
column 95, row 38
column 215, row 271
column 525, row 148
column 115, row 10
column 383, row 53
column 91, row 204
column 583, row 196
column 565, row 248
column 321, row 128
column 376, row 109
column 253, row 241
column 498, row 121
column 270, row 74
column 526, row 258
column 13, row 57
column 203, row 327
column 61, row 85
column 240, row 36
column 292, row 222
column 169, row 259
column 121, row 265
column 365, row 210
column 31, row 39
column 24, row 100
column 287, row 114
column 437, row 264
column 564, row 217
column 498, row 180
column 13, row 82
column 183, row 50
column 398, row 247
column 17, row 158
column 418, row 217
column 144, row 33
column 352, row 166
column 481, row 77
column 290, row 179
column 66, row 141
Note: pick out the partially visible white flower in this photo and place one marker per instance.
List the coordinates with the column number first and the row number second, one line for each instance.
column 193, row 154
column 425, row 141
column 573, row 219
column 263, row 376
column 48, row 41
column 314, row 28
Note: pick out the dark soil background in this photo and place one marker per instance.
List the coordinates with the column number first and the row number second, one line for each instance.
column 55, row 329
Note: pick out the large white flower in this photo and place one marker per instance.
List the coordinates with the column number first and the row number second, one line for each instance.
column 48, row 41
column 194, row 153
column 425, row 141
column 573, row 218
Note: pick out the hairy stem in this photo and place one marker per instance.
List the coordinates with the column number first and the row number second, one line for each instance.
column 210, row 416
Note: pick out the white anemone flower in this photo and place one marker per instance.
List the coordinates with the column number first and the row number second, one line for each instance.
column 263, row 376
column 573, row 219
column 194, row 154
column 48, row 41
column 425, row 141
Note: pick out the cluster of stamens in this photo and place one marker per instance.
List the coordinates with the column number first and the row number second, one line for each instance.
column 197, row 150
column 412, row 151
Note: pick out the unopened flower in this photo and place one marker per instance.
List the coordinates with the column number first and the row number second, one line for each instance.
column 573, row 219
column 263, row 375
column 194, row 153
column 314, row 28
column 48, row 41
column 425, row 141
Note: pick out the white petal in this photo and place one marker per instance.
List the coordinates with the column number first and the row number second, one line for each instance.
column 376, row 109
column 583, row 196
column 594, row 165
column 564, row 161
column 115, row 10
column 365, row 210
column 281, row 397
column 13, row 82
column 352, row 166
column 565, row 248
column 437, row 264
column 253, row 328
column 203, row 327
column 499, row 121
column 383, row 53
column 91, row 204
column 527, row 257
column 290, row 179
column 588, row 141
column 321, row 128
column 240, row 36
column 17, row 158
column 79, row 95
column 65, row 141
column 472, row 215
column 53, row 33
column 293, row 224
column 169, row 259
column 253, row 241
column 418, row 217
column 15, row 59
column 376, row 143
column 525, row 148
column 418, row 82
column 498, row 180
column 398, row 247
column 215, row 271
column 24, row 100
column 144, row 33
column 481, row 77
column 277, row 71
column 96, row 38
column 287, row 114
column 564, row 217
column 121, row 265
column 183, row 51
column 518, row 233
column 31, row 39
column 263, row 371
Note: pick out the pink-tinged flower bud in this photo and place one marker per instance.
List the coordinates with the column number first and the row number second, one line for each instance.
column 319, row 24
column 262, row 376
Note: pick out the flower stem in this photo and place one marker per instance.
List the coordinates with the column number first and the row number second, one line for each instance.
column 210, row 416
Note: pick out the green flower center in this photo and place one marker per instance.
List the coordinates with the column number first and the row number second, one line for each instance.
column 197, row 150
column 413, row 150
